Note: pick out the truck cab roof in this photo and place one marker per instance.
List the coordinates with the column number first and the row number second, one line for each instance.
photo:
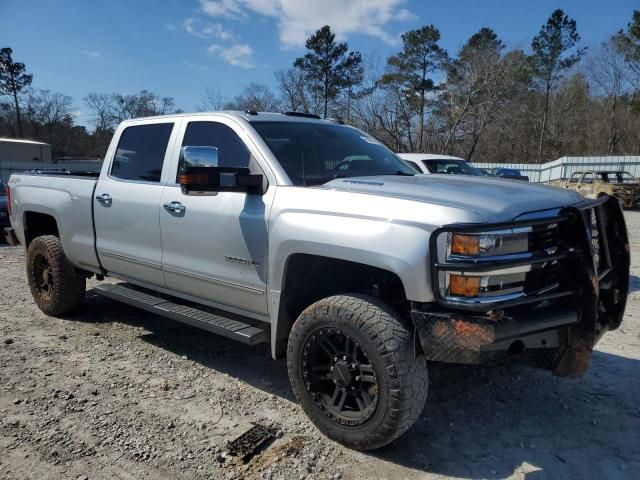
column 249, row 116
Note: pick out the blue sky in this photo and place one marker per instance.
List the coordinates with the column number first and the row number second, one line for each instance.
column 178, row 47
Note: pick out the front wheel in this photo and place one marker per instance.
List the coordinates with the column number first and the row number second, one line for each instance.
column 354, row 369
column 55, row 285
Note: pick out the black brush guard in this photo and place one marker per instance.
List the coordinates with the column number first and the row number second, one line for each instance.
column 556, row 330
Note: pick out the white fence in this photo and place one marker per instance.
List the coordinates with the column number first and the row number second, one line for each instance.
column 7, row 167
column 565, row 166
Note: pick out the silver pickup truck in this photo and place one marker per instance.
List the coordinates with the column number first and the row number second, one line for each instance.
column 314, row 237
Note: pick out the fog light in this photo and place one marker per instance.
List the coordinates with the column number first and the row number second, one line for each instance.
column 465, row 244
column 464, row 286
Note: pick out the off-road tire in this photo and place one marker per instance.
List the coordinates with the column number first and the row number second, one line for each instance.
column 67, row 285
column 390, row 347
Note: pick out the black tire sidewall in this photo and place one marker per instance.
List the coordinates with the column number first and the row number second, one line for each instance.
column 69, row 286
column 313, row 410
column 376, row 431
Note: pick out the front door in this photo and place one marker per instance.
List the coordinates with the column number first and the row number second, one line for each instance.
column 127, row 204
column 215, row 245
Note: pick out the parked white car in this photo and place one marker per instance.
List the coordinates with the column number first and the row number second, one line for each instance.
column 446, row 164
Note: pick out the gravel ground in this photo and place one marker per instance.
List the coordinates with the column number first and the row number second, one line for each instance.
column 114, row 392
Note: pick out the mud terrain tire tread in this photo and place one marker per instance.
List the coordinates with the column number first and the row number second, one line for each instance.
column 389, row 344
column 69, row 285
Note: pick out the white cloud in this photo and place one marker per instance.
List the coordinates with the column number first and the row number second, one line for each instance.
column 239, row 54
column 222, row 8
column 194, row 66
column 201, row 29
column 91, row 54
column 170, row 26
column 297, row 19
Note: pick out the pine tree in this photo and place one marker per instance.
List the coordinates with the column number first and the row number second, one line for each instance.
column 553, row 54
column 13, row 78
column 330, row 65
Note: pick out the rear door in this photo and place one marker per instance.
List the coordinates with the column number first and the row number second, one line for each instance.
column 215, row 247
column 127, row 201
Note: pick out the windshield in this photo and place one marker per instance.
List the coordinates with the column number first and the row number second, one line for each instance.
column 316, row 153
column 509, row 172
column 451, row 167
column 618, row 177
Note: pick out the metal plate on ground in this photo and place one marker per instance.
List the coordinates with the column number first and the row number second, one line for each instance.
column 251, row 440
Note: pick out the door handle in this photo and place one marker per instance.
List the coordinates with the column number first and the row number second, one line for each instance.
column 174, row 207
column 104, row 199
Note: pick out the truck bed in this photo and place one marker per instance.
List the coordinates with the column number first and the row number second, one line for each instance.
column 65, row 196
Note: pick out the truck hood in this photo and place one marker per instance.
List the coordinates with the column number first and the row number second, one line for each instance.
column 495, row 199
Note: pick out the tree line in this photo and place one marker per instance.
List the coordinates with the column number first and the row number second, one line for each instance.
column 483, row 103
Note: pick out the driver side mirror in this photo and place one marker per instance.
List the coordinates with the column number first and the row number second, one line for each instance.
column 200, row 174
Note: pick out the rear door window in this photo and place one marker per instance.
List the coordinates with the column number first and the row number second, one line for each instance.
column 141, row 152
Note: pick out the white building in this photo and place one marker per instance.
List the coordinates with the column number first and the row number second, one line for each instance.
column 18, row 150
column 19, row 155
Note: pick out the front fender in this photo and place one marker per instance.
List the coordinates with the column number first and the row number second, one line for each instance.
column 396, row 247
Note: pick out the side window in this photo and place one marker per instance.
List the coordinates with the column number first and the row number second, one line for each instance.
column 141, row 151
column 413, row 165
column 231, row 150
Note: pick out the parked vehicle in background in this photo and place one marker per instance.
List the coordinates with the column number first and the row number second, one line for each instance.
column 315, row 238
column 4, row 212
column 595, row 184
column 443, row 164
column 509, row 173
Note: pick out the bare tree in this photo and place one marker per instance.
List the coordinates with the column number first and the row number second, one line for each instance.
column 102, row 108
column 212, row 100
column 142, row 104
column 48, row 110
column 256, row 97
column 609, row 75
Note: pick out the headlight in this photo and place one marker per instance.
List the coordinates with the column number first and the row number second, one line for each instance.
column 471, row 265
column 487, row 244
column 493, row 285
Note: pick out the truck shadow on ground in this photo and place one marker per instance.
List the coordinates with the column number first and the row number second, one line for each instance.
column 479, row 422
column 250, row 364
column 484, row 422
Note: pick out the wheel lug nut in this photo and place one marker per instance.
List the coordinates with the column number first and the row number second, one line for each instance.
column 335, row 359
column 355, row 365
column 344, row 358
column 358, row 377
column 331, row 369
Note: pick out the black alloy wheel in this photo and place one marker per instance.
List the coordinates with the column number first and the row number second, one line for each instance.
column 340, row 376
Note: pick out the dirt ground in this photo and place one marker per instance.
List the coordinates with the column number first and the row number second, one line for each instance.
column 113, row 392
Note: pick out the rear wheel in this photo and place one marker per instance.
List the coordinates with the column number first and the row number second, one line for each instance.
column 55, row 285
column 352, row 366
